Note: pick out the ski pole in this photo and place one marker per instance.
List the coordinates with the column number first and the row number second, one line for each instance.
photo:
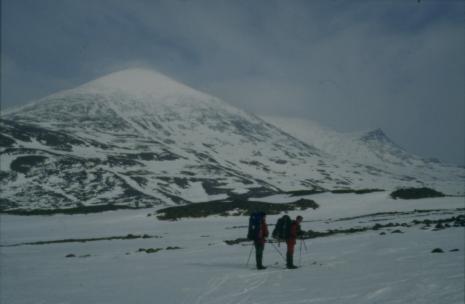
column 250, row 254
column 277, row 250
column 305, row 245
column 300, row 255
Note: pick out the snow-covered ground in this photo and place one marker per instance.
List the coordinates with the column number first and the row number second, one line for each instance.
column 364, row 267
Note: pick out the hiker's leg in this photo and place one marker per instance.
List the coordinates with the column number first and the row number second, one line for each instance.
column 290, row 254
column 290, row 247
column 259, row 254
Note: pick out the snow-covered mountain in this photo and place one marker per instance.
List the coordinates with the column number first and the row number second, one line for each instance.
column 139, row 138
column 372, row 148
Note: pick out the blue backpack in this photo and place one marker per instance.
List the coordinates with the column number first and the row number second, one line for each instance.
column 255, row 222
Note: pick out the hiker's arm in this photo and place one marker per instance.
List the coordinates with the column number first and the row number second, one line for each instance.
column 300, row 232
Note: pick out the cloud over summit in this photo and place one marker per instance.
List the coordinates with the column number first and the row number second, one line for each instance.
column 398, row 65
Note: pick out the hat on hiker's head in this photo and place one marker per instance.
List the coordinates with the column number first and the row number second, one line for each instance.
column 299, row 218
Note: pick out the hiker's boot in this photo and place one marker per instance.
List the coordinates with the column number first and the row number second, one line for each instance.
column 290, row 262
column 260, row 263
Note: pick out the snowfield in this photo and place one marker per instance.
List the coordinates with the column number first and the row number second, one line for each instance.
column 195, row 265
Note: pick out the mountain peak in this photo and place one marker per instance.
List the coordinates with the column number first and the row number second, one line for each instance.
column 139, row 82
column 375, row 135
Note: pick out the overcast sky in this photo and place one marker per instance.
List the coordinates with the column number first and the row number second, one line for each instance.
column 351, row 65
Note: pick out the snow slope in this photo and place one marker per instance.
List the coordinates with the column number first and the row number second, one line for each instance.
column 364, row 267
column 139, row 138
column 372, row 148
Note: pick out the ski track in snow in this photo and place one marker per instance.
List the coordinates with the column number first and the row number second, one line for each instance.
column 248, row 283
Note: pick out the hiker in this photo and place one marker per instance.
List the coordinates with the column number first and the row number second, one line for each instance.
column 294, row 232
column 258, row 232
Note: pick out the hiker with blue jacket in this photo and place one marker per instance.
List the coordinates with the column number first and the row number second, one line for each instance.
column 258, row 232
column 295, row 231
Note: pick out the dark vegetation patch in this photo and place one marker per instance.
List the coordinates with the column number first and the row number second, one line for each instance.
column 24, row 164
column 74, row 210
column 311, row 234
column 279, row 161
column 455, row 221
column 235, row 208
column 397, row 213
column 212, row 186
column 188, row 173
column 141, row 181
column 337, row 191
column 27, row 132
column 237, row 241
column 72, row 255
column 6, row 141
column 343, row 182
column 360, row 191
column 202, row 156
column 154, row 250
column 111, row 238
column 173, row 248
column 174, row 198
column 151, row 156
column 121, row 161
column 149, row 250
column 416, row 193
column 305, row 192
column 458, row 221
column 6, row 203
column 256, row 164
column 147, row 156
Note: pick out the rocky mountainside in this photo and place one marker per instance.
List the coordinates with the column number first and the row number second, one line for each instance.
column 138, row 138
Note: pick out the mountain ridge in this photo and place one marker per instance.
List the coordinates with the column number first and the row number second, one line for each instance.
column 106, row 143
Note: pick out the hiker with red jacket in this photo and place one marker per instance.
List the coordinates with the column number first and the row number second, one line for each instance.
column 295, row 231
column 259, row 242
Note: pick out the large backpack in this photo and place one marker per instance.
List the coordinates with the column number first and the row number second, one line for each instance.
column 282, row 229
column 255, row 222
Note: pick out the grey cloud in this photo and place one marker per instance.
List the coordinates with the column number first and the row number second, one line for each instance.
column 398, row 65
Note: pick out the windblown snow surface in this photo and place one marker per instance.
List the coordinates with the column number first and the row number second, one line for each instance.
column 374, row 266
